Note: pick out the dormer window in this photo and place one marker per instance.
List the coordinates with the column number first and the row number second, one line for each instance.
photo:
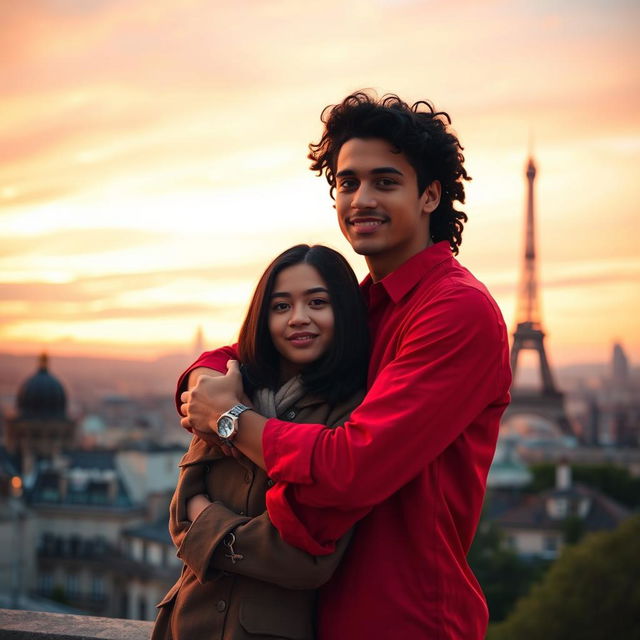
column 558, row 507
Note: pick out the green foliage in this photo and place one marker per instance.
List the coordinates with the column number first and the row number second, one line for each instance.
column 58, row 594
column 503, row 576
column 615, row 482
column 592, row 592
column 572, row 529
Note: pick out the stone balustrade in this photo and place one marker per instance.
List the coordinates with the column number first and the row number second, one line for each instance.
column 34, row 625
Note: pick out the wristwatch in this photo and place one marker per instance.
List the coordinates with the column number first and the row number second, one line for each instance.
column 227, row 425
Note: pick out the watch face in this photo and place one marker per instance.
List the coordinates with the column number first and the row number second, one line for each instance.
column 225, row 427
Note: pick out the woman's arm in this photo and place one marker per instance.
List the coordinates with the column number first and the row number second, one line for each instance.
column 221, row 540
column 191, row 482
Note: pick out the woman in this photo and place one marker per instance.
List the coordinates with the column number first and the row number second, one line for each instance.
column 304, row 353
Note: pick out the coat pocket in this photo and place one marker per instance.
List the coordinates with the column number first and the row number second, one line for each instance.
column 263, row 619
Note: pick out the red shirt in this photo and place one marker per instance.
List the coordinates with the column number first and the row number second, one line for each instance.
column 410, row 466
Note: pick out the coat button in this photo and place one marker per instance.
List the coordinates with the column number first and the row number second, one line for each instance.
column 248, row 477
column 290, row 415
column 221, row 606
column 241, row 513
column 270, row 482
column 207, row 468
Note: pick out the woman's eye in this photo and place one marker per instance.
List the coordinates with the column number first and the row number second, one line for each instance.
column 318, row 302
column 280, row 306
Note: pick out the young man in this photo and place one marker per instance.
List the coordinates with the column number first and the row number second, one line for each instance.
column 411, row 464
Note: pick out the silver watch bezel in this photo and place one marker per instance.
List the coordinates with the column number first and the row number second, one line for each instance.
column 233, row 414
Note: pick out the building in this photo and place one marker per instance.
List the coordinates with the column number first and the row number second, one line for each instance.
column 40, row 429
column 540, row 525
column 90, row 529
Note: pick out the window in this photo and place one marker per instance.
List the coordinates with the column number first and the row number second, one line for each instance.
column 97, row 587
column 124, row 606
column 550, row 546
column 45, row 583
column 73, row 585
column 142, row 608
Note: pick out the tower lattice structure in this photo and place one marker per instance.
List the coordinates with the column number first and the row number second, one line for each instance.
column 548, row 401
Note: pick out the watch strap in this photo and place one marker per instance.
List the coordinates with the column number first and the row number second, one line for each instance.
column 237, row 409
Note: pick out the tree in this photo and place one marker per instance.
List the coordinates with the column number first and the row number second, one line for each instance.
column 592, row 592
column 615, row 482
column 503, row 576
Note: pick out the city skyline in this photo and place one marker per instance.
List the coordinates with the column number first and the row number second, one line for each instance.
column 154, row 158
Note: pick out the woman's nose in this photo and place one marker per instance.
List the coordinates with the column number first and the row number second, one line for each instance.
column 298, row 315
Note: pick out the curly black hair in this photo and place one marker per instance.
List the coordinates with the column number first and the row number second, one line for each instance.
column 419, row 131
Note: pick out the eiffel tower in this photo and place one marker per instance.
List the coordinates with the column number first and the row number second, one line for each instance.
column 548, row 401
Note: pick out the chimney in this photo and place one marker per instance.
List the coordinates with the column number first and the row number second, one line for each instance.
column 563, row 475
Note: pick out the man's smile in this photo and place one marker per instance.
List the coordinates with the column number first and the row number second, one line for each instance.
column 365, row 224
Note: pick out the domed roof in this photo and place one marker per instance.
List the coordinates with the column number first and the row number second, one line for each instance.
column 42, row 396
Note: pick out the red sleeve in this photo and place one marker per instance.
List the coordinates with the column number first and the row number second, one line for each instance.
column 450, row 365
column 216, row 360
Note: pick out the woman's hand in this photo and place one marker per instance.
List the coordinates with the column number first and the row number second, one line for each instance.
column 196, row 505
column 210, row 398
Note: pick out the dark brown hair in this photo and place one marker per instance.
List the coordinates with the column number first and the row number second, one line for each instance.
column 342, row 369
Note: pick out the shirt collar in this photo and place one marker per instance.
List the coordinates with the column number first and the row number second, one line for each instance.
column 399, row 282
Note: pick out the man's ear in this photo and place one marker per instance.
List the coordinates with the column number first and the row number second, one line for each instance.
column 431, row 197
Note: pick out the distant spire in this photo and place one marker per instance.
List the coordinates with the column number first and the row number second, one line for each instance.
column 43, row 361
column 619, row 366
column 198, row 343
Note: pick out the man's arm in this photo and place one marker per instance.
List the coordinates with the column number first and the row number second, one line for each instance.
column 450, row 366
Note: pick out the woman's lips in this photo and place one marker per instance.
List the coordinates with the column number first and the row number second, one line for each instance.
column 301, row 339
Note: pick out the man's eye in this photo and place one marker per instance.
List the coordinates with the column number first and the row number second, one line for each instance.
column 345, row 185
column 387, row 182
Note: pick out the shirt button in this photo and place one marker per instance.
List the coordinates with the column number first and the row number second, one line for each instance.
column 221, row 606
column 207, row 468
column 270, row 482
column 241, row 513
column 290, row 415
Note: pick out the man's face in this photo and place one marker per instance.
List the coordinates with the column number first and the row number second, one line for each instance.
column 379, row 209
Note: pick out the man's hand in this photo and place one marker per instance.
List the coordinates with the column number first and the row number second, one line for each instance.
column 210, row 398
column 196, row 505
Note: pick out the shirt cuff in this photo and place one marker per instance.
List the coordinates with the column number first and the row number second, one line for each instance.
column 288, row 450
column 202, row 538
column 292, row 530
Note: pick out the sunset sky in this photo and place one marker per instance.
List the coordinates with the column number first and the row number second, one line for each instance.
column 153, row 156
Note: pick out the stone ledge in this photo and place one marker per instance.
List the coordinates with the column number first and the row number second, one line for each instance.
column 35, row 625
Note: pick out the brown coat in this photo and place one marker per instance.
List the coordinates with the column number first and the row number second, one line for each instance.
column 270, row 591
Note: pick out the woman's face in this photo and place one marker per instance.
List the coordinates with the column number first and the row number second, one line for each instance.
column 300, row 317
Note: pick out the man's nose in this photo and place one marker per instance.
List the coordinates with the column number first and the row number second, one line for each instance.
column 364, row 198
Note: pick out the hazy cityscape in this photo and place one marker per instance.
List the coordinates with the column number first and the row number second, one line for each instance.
column 85, row 527
column 154, row 160
column 90, row 448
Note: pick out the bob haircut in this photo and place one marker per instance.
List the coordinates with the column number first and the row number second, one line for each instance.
column 342, row 369
column 419, row 131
